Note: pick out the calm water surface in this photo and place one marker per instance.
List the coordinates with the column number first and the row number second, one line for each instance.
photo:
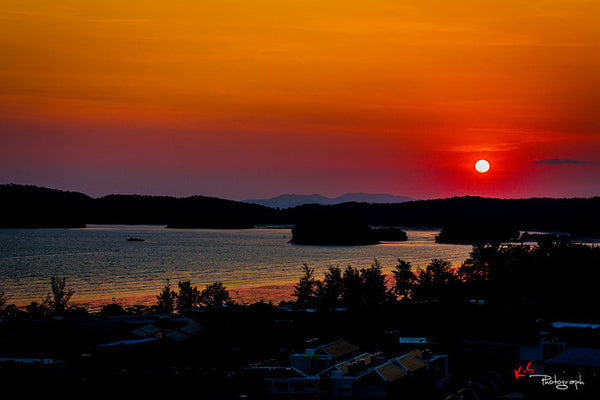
column 99, row 262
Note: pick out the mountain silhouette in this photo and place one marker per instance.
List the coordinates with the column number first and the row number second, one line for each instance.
column 294, row 200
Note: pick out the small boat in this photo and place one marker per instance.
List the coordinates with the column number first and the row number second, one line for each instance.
column 135, row 240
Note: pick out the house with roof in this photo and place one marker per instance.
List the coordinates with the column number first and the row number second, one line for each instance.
column 574, row 361
column 539, row 352
column 374, row 376
column 338, row 349
column 322, row 357
column 365, row 375
column 332, row 371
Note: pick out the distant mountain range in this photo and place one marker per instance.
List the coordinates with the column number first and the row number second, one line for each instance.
column 294, row 200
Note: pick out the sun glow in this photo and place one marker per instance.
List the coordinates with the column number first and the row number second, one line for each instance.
column 482, row 166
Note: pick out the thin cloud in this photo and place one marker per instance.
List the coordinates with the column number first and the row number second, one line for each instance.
column 558, row 161
column 467, row 148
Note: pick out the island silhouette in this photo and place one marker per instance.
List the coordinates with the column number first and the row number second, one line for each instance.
column 39, row 207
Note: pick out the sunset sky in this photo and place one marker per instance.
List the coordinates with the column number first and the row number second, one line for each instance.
column 252, row 99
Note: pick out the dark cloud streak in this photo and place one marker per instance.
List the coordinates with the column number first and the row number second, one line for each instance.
column 558, row 161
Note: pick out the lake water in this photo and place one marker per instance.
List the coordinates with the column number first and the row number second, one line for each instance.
column 99, row 263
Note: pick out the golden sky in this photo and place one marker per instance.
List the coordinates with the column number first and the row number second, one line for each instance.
column 301, row 96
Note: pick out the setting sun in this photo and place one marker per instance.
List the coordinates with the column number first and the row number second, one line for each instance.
column 482, row 166
column 248, row 100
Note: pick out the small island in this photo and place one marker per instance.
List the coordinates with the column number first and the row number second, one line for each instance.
column 471, row 232
column 332, row 229
column 390, row 234
column 543, row 237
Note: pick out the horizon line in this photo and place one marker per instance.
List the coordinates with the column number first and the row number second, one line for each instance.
column 297, row 194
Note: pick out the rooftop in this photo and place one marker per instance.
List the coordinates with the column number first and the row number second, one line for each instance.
column 559, row 325
column 346, row 366
column 339, row 349
column 280, row 372
column 412, row 340
column 411, row 363
column 578, row 356
column 390, row 372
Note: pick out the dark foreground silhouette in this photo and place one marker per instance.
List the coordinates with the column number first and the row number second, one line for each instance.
column 487, row 316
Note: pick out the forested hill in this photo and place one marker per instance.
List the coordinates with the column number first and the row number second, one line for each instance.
column 580, row 216
column 36, row 207
column 30, row 206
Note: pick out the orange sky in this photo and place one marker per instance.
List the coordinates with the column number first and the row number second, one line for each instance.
column 247, row 99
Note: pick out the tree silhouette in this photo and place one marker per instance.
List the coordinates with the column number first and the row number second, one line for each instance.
column 352, row 293
column 214, row 295
column 330, row 291
column 439, row 272
column 435, row 282
column 4, row 309
column 57, row 301
column 2, row 300
column 188, row 296
column 476, row 268
column 166, row 299
column 404, row 280
column 554, row 274
column 37, row 310
column 112, row 309
column 306, row 289
column 374, row 291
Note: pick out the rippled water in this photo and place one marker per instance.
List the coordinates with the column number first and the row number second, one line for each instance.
column 99, row 262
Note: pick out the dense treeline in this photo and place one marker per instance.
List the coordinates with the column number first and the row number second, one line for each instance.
column 29, row 206
column 552, row 276
column 57, row 302
column 190, row 297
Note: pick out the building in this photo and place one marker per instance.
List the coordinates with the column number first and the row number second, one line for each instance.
column 337, row 371
column 538, row 353
column 288, row 383
column 322, row 357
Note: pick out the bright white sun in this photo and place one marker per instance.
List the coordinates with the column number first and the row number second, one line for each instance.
column 482, row 166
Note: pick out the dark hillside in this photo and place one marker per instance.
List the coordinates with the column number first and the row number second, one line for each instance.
column 30, row 207
column 578, row 216
column 36, row 207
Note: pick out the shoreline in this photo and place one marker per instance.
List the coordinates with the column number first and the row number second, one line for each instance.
column 245, row 295
column 274, row 293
